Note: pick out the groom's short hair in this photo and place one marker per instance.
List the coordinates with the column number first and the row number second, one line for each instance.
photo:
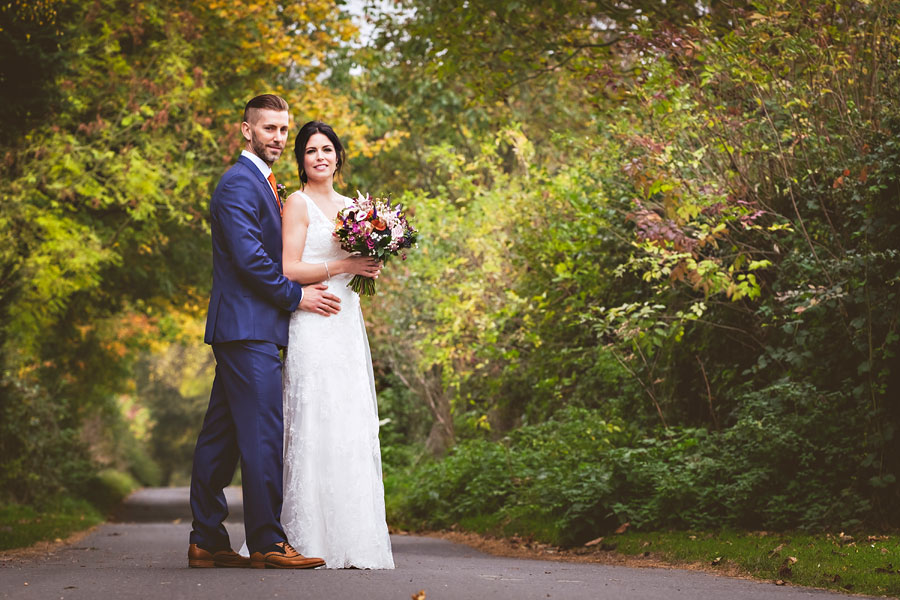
column 265, row 101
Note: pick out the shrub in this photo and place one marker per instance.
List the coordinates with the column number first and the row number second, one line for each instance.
column 42, row 452
column 109, row 487
column 791, row 459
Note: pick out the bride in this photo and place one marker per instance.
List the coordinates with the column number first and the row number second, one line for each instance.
column 333, row 490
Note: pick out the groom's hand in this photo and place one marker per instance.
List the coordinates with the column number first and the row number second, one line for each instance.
column 317, row 300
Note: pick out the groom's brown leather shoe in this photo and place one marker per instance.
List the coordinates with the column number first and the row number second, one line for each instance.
column 283, row 556
column 198, row 558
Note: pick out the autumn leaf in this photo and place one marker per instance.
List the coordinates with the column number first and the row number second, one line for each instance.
column 622, row 528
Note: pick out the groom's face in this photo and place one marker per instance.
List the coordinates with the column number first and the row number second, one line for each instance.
column 266, row 133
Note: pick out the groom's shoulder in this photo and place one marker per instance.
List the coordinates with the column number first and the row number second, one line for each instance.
column 237, row 170
column 238, row 176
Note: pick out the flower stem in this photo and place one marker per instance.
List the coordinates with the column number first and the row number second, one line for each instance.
column 364, row 286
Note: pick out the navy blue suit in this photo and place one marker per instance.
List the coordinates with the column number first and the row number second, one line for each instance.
column 247, row 325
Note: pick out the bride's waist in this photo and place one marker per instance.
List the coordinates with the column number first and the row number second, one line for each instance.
column 341, row 279
column 338, row 286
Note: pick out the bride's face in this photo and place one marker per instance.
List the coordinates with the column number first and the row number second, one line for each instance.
column 320, row 159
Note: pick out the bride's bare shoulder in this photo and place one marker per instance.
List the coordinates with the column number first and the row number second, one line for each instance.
column 295, row 207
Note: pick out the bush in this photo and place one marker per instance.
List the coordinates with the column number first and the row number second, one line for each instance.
column 42, row 453
column 791, row 459
column 141, row 465
column 109, row 487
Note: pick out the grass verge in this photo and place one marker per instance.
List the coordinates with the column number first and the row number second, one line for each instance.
column 23, row 526
column 60, row 517
column 865, row 564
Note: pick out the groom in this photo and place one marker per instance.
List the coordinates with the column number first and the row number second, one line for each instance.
column 247, row 325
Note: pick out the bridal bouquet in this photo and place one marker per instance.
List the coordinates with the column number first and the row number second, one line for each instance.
column 373, row 227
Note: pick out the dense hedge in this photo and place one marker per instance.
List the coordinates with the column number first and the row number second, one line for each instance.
column 791, row 458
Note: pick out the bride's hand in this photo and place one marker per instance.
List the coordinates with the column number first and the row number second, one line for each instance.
column 363, row 265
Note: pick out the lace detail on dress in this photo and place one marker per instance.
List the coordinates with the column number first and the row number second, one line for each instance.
column 333, row 490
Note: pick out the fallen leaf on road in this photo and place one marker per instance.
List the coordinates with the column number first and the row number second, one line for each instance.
column 594, row 542
column 420, row 595
column 717, row 560
column 779, row 582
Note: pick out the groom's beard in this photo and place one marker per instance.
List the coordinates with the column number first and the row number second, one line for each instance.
column 264, row 152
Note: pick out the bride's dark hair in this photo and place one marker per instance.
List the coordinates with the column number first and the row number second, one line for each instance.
column 306, row 132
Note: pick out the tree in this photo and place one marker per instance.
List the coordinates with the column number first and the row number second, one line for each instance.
column 106, row 185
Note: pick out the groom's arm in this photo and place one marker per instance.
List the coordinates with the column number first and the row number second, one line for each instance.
column 242, row 233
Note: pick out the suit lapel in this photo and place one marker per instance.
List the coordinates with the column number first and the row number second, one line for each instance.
column 261, row 182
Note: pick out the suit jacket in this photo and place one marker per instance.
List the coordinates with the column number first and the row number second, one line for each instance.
column 251, row 298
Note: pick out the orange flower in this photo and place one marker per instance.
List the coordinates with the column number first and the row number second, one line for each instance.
column 379, row 224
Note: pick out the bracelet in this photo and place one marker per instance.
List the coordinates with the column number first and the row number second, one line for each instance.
column 327, row 272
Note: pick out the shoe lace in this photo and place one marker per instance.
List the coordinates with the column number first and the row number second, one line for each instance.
column 288, row 548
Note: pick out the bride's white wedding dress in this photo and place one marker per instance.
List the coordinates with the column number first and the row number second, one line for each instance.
column 333, row 490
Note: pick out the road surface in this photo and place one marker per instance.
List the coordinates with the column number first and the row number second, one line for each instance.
column 143, row 554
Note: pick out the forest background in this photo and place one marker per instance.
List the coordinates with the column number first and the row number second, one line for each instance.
column 657, row 277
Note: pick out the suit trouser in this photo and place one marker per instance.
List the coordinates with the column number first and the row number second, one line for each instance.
column 244, row 421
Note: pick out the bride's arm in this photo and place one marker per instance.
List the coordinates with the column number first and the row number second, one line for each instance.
column 294, row 225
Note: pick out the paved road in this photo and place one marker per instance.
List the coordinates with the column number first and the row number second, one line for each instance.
column 143, row 555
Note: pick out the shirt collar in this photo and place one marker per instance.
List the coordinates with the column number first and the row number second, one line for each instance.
column 260, row 163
